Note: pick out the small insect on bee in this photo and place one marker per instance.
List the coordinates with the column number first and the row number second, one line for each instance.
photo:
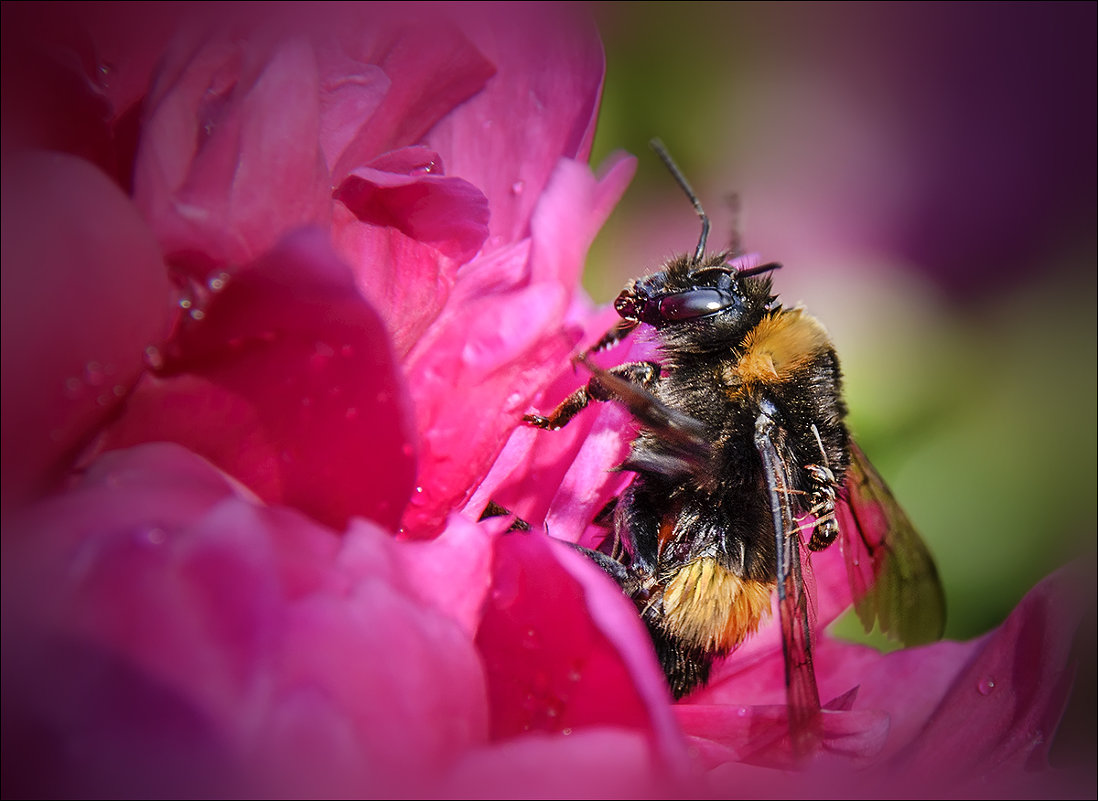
column 742, row 447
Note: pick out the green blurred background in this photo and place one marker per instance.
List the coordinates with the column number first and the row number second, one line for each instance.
column 926, row 173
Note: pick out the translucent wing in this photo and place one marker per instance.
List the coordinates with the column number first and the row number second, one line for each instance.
column 795, row 614
column 891, row 572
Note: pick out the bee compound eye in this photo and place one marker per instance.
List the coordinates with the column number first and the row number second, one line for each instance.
column 693, row 303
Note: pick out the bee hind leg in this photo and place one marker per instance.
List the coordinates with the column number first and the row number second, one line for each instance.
column 824, row 493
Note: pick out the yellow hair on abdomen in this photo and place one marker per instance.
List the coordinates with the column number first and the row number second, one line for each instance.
column 710, row 607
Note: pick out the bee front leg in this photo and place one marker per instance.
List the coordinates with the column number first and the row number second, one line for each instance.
column 641, row 373
column 613, row 336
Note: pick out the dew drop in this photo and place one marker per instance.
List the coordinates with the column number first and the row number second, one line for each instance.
column 72, row 388
column 93, row 374
column 985, row 686
column 153, row 358
column 185, row 303
column 198, row 314
column 419, row 489
column 103, row 400
column 217, row 283
column 517, row 188
column 530, row 639
column 156, row 535
column 118, row 390
column 566, row 731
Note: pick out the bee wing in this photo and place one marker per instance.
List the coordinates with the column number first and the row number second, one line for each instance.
column 794, row 608
column 685, row 446
column 891, row 572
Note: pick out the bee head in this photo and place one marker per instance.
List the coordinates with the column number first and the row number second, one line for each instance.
column 710, row 294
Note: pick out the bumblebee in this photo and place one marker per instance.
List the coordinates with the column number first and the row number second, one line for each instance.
column 743, row 447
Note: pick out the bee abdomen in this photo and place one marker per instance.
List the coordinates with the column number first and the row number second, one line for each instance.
column 707, row 606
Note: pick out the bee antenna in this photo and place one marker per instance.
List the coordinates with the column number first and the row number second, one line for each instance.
column 665, row 157
column 762, row 268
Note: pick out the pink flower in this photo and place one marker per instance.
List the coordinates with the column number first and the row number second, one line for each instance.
column 270, row 323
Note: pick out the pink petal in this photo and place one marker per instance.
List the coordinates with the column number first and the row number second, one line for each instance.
column 598, row 763
column 154, row 614
column 229, row 159
column 412, row 230
column 564, row 478
column 453, row 572
column 350, row 93
column 288, row 383
column 448, row 213
column 550, row 666
column 498, row 341
column 432, row 69
column 512, row 164
column 84, row 294
column 53, row 95
column 998, row 717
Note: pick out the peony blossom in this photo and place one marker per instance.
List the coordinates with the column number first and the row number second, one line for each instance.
column 278, row 288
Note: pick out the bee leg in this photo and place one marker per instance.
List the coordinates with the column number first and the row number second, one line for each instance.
column 613, row 336
column 493, row 509
column 824, row 492
column 641, row 373
column 611, row 544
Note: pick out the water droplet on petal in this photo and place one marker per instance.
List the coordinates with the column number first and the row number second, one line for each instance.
column 185, row 303
column 73, row 387
column 153, row 358
column 93, row 374
column 985, row 686
column 217, row 282
column 198, row 314
column 419, row 489
column 530, row 639
column 156, row 535
column 517, row 188
column 566, row 731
